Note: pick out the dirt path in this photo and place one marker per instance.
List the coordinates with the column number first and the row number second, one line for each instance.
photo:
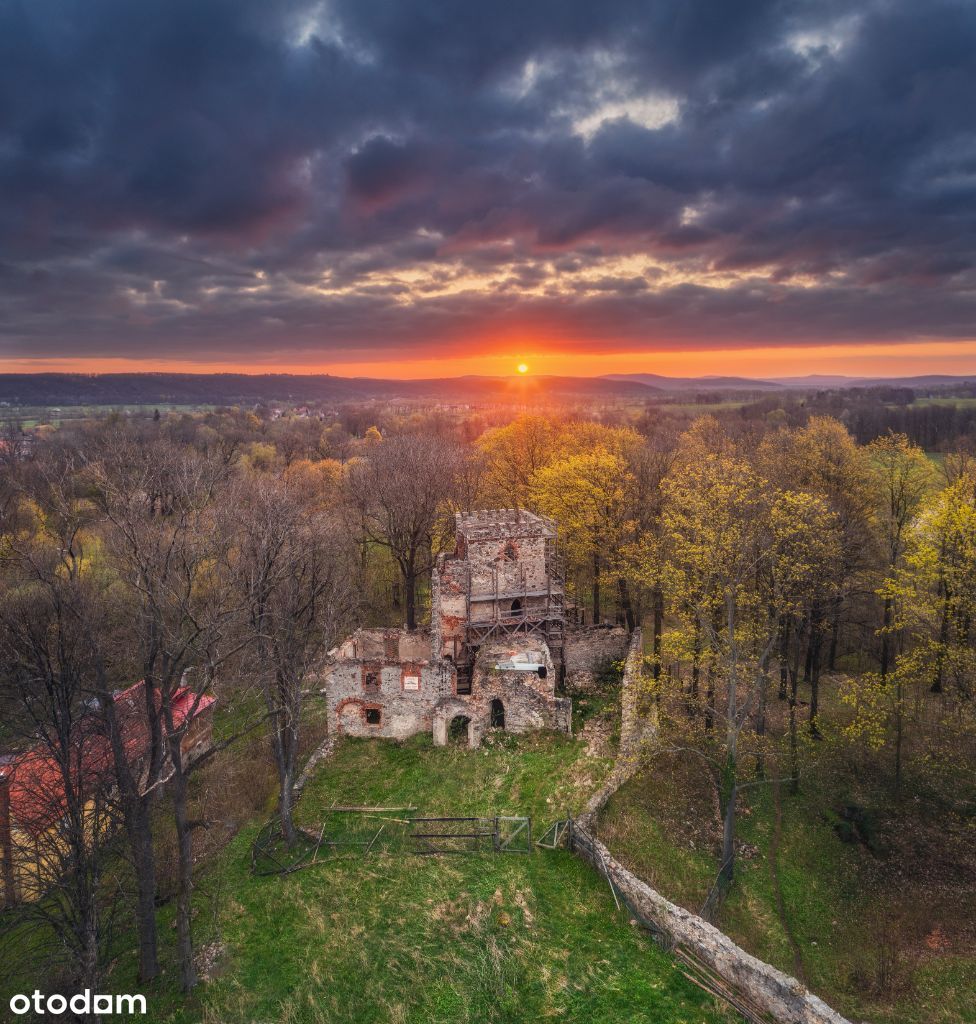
column 798, row 970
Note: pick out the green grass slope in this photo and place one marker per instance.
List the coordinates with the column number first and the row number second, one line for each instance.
column 855, row 944
column 393, row 936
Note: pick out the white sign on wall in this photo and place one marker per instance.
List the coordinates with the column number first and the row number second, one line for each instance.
column 411, row 682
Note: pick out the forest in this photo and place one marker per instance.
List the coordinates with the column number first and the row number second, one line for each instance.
column 806, row 585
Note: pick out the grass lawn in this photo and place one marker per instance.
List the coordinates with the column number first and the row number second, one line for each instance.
column 399, row 937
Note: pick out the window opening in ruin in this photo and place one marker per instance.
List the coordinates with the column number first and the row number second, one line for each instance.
column 373, row 716
column 509, row 554
column 371, row 681
column 497, row 714
column 517, row 606
column 457, row 731
column 463, row 688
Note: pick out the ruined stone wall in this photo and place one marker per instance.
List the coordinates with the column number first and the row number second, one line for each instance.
column 449, row 606
column 402, row 711
column 638, row 725
column 515, row 562
column 773, row 991
column 587, row 650
column 529, row 701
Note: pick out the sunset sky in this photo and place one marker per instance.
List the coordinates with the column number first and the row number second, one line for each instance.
column 425, row 188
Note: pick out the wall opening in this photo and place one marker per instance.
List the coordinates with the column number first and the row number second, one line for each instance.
column 374, row 716
column 497, row 714
column 517, row 606
column 457, row 731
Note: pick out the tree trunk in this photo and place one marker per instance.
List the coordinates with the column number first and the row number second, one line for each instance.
column 785, row 626
column 794, row 687
column 834, row 634
column 885, row 639
column 709, row 698
column 597, row 616
column 727, row 871
column 184, row 843
column 285, row 752
column 898, row 737
column 658, row 630
column 625, row 604
column 139, row 829
column 815, row 650
column 410, row 591
column 943, row 642
column 286, row 801
column 695, row 670
column 761, row 723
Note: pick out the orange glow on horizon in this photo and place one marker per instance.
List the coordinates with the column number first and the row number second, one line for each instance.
column 876, row 360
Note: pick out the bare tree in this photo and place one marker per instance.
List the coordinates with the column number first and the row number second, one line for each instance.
column 399, row 492
column 165, row 545
column 295, row 572
column 53, row 610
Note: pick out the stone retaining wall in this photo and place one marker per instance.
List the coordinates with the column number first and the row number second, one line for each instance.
column 323, row 751
column 638, row 725
column 773, row 991
column 777, row 993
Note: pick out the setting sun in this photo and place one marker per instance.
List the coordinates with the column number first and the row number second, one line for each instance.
column 523, row 368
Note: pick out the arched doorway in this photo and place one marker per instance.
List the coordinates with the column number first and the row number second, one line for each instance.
column 458, row 731
column 497, row 714
column 517, row 606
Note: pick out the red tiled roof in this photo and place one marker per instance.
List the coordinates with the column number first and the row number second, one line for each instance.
column 36, row 778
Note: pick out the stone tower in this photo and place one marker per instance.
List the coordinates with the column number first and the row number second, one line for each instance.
column 503, row 579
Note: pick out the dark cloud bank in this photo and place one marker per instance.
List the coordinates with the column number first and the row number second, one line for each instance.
column 235, row 178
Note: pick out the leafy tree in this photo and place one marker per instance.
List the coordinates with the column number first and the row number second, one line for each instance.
column 55, row 620
column 587, row 495
column 513, row 454
column 718, row 546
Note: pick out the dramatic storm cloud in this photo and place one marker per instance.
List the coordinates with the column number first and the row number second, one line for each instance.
column 246, row 181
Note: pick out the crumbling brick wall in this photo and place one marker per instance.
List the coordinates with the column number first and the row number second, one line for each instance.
column 368, row 694
column 528, row 699
column 588, row 651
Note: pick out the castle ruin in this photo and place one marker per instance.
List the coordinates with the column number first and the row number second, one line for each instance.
column 492, row 656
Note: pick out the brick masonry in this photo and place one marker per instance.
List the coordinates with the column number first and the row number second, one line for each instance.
column 385, row 683
column 588, row 651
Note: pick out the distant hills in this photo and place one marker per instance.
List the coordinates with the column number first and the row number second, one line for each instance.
column 662, row 383
column 813, row 380
column 120, row 389
column 117, row 389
